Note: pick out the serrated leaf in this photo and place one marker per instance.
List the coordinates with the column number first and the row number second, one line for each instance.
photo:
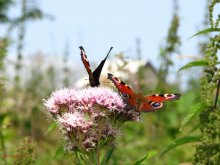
column 195, row 109
column 194, row 64
column 205, row 31
column 140, row 161
column 50, row 128
column 180, row 141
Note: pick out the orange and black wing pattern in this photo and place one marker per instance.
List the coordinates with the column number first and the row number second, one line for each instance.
column 164, row 97
column 138, row 101
column 124, row 90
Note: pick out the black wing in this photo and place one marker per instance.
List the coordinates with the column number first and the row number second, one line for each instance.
column 96, row 73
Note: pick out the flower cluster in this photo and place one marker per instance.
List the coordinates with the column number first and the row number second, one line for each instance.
column 88, row 116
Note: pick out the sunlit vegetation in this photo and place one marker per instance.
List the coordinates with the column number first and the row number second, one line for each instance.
column 185, row 131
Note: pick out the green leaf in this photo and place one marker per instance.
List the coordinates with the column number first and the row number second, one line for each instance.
column 151, row 154
column 205, row 31
column 180, row 141
column 107, row 156
column 195, row 109
column 59, row 152
column 50, row 128
column 194, row 64
column 140, row 161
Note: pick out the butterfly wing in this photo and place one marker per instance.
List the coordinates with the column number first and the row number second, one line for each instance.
column 149, row 106
column 86, row 64
column 136, row 100
column 98, row 70
column 125, row 91
column 140, row 102
column 163, row 97
column 155, row 102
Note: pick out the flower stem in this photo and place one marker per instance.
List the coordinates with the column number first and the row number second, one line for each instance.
column 217, row 93
column 98, row 154
column 77, row 158
column 109, row 148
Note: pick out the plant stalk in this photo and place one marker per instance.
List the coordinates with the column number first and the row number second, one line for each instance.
column 217, row 93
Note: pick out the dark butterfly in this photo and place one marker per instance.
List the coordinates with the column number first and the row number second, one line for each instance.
column 93, row 76
column 138, row 101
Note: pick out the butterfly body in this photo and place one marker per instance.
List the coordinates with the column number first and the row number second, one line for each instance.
column 95, row 75
column 138, row 101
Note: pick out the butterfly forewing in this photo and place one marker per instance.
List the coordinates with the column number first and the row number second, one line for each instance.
column 98, row 70
column 125, row 91
column 86, row 62
column 93, row 76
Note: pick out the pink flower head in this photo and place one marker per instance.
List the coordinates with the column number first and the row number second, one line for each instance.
column 74, row 121
column 89, row 100
column 88, row 115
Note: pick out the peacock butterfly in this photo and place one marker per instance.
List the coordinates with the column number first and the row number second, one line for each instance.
column 138, row 101
column 93, row 76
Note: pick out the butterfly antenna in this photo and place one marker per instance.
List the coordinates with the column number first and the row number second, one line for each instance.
column 109, row 52
column 81, row 48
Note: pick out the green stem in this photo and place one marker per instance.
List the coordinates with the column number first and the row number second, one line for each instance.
column 77, row 158
column 98, row 154
column 108, row 148
column 217, row 93
column 85, row 158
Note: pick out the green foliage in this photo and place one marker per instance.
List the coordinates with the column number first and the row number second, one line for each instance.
column 50, row 128
column 140, row 161
column 194, row 112
column 3, row 50
column 22, row 113
column 25, row 153
column 194, row 64
column 202, row 32
column 4, row 4
column 107, row 156
column 179, row 142
column 207, row 152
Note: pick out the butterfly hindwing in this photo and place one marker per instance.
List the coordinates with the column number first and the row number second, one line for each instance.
column 93, row 76
column 163, row 97
column 156, row 101
column 150, row 106
column 138, row 101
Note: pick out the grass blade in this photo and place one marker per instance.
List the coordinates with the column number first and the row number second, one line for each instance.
column 180, row 141
column 107, row 156
column 50, row 128
column 140, row 161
